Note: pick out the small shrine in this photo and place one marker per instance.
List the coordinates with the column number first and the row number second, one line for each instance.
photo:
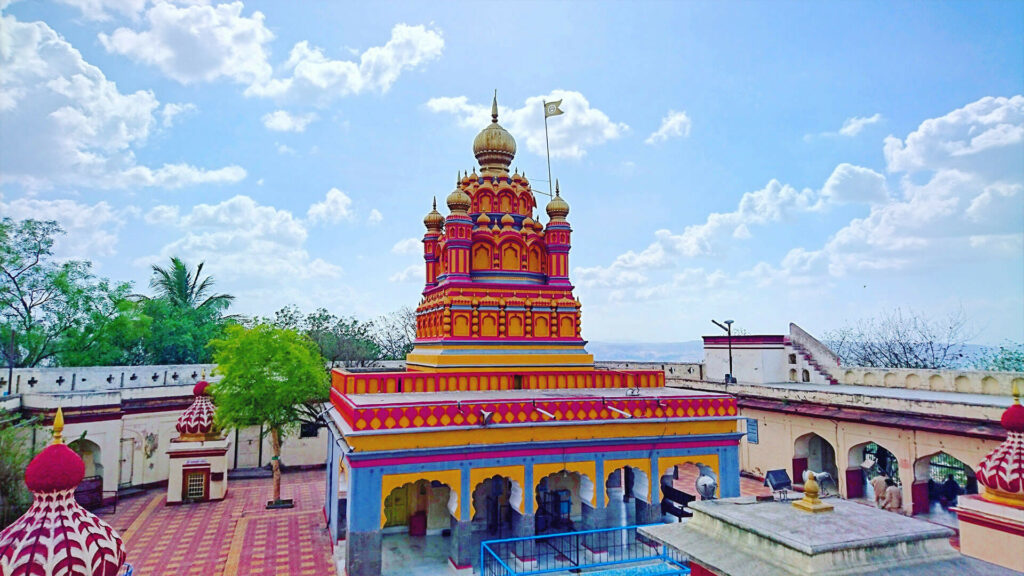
column 198, row 456
column 56, row 536
column 992, row 523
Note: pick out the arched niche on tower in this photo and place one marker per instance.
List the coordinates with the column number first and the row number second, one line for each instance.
column 505, row 200
column 541, row 326
column 566, row 326
column 536, row 258
column 483, row 255
column 511, row 254
column 484, row 200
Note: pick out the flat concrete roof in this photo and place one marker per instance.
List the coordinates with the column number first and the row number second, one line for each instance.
column 897, row 393
column 547, row 395
column 741, row 536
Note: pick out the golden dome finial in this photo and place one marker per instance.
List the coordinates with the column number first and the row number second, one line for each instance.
column 433, row 220
column 1015, row 392
column 58, row 427
column 494, row 148
column 557, row 208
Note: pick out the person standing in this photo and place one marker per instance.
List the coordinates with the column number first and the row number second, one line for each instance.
column 878, row 484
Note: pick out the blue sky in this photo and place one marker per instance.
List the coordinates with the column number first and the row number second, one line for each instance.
column 766, row 162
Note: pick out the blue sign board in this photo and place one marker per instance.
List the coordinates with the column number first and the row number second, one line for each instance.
column 752, row 430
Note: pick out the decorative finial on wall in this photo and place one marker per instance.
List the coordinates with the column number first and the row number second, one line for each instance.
column 494, row 107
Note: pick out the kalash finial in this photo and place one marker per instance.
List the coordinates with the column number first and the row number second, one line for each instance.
column 494, row 107
column 58, row 427
column 435, row 203
column 557, row 191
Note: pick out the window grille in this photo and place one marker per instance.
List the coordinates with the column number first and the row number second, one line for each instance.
column 195, row 488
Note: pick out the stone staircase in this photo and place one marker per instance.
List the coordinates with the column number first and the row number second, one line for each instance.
column 812, row 361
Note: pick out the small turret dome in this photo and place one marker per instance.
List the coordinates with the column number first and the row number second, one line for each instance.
column 507, row 220
column 483, row 219
column 433, row 220
column 458, row 200
column 494, row 147
column 557, row 208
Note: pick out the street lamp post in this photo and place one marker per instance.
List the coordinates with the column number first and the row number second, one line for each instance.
column 727, row 326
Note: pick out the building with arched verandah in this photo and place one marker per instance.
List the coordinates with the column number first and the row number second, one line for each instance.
column 501, row 425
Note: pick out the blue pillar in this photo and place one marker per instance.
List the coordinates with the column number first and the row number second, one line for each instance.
column 729, row 471
column 330, row 499
column 363, row 548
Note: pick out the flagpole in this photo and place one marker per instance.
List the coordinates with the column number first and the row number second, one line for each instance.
column 547, row 146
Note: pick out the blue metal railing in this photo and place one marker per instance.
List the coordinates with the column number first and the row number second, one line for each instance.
column 551, row 553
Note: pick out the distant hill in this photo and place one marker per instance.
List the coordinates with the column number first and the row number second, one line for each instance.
column 690, row 351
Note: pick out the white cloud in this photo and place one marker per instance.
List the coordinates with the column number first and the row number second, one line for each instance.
column 65, row 123
column 580, row 128
column 317, row 78
column 849, row 183
column 171, row 110
column 983, row 136
column 102, row 10
column 409, row 274
column 375, row 217
column 242, row 239
column 853, row 126
column 162, row 215
column 675, row 125
column 283, row 121
column 284, row 149
column 198, row 43
column 408, row 246
column 337, row 206
column 92, row 229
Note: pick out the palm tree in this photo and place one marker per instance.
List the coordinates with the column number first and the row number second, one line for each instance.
column 182, row 287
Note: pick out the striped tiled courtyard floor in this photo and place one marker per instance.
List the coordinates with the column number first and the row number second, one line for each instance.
column 237, row 535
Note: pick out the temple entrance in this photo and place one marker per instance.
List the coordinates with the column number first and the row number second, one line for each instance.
column 418, row 508
column 865, row 462
column 627, row 488
column 90, row 491
column 678, row 488
column 560, row 507
column 812, row 452
column 495, row 503
column 939, row 480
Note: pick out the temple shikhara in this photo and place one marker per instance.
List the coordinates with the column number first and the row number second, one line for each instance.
column 501, row 425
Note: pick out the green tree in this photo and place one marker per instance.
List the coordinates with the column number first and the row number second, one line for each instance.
column 182, row 287
column 348, row 341
column 903, row 339
column 15, row 454
column 269, row 375
column 1008, row 358
column 53, row 307
column 186, row 314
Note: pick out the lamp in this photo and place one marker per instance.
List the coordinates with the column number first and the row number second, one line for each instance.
column 778, row 481
column 727, row 326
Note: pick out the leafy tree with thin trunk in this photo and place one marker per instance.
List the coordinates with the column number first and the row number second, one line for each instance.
column 54, row 307
column 269, row 374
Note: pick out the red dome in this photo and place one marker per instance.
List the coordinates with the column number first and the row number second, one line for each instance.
column 56, row 468
column 1013, row 418
column 200, row 388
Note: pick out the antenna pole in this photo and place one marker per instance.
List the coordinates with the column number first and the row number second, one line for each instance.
column 547, row 147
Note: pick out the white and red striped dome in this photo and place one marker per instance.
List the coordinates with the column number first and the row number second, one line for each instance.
column 56, row 536
column 1002, row 471
column 196, row 422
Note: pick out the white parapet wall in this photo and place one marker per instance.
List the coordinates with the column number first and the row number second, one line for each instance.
column 962, row 381
column 125, row 416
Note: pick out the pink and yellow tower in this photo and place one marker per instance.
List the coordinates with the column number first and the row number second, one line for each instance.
column 497, row 294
